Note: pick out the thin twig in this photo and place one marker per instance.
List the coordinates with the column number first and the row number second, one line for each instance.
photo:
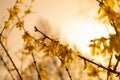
column 58, row 70
column 109, row 65
column 36, row 30
column 85, row 64
column 8, row 19
column 39, row 76
column 68, row 73
column 100, row 66
column 10, row 59
column 6, row 67
column 100, row 1
column 114, row 26
column 118, row 60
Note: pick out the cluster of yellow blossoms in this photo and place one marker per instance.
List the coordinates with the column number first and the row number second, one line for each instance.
column 13, row 13
column 50, row 48
column 63, row 52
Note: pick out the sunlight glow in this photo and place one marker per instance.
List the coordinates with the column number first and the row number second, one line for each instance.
column 80, row 32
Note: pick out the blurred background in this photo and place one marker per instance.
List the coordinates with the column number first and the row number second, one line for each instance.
column 73, row 21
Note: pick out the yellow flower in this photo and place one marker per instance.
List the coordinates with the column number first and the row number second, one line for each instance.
column 20, row 1
column 26, row 37
column 4, row 39
column 28, row 11
column 110, row 3
column 14, row 12
column 29, row 47
column 20, row 24
column 64, row 52
column 7, row 24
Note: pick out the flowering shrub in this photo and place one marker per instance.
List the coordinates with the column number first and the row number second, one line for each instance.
column 52, row 47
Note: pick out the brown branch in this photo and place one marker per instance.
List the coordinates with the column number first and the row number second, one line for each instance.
column 99, row 65
column 85, row 64
column 36, row 30
column 118, row 60
column 6, row 67
column 114, row 26
column 108, row 73
column 68, row 73
column 115, row 67
column 58, row 70
column 10, row 58
column 100, row 1
column 39, row 76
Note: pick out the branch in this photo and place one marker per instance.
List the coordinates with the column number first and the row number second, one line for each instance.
column 36, row 30
column 108, row 73
column 99, row 65
column 39, row 76
column 100, row 1
column 68, row 73
column 10, row 58
column 118, row 60
column 58, row 70
column 6, row 67
column 114, row 26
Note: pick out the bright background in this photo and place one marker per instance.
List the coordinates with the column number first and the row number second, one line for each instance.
column 73, row 21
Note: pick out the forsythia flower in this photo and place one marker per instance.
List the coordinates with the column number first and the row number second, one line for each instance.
column 14, row 12
column 54, row 48
column 7, row 24
column 28, row 11
column 29, row 47
column 20, row 24
column 4, row 38
column 20, row 1
column 26, row 37
column 30, row 44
